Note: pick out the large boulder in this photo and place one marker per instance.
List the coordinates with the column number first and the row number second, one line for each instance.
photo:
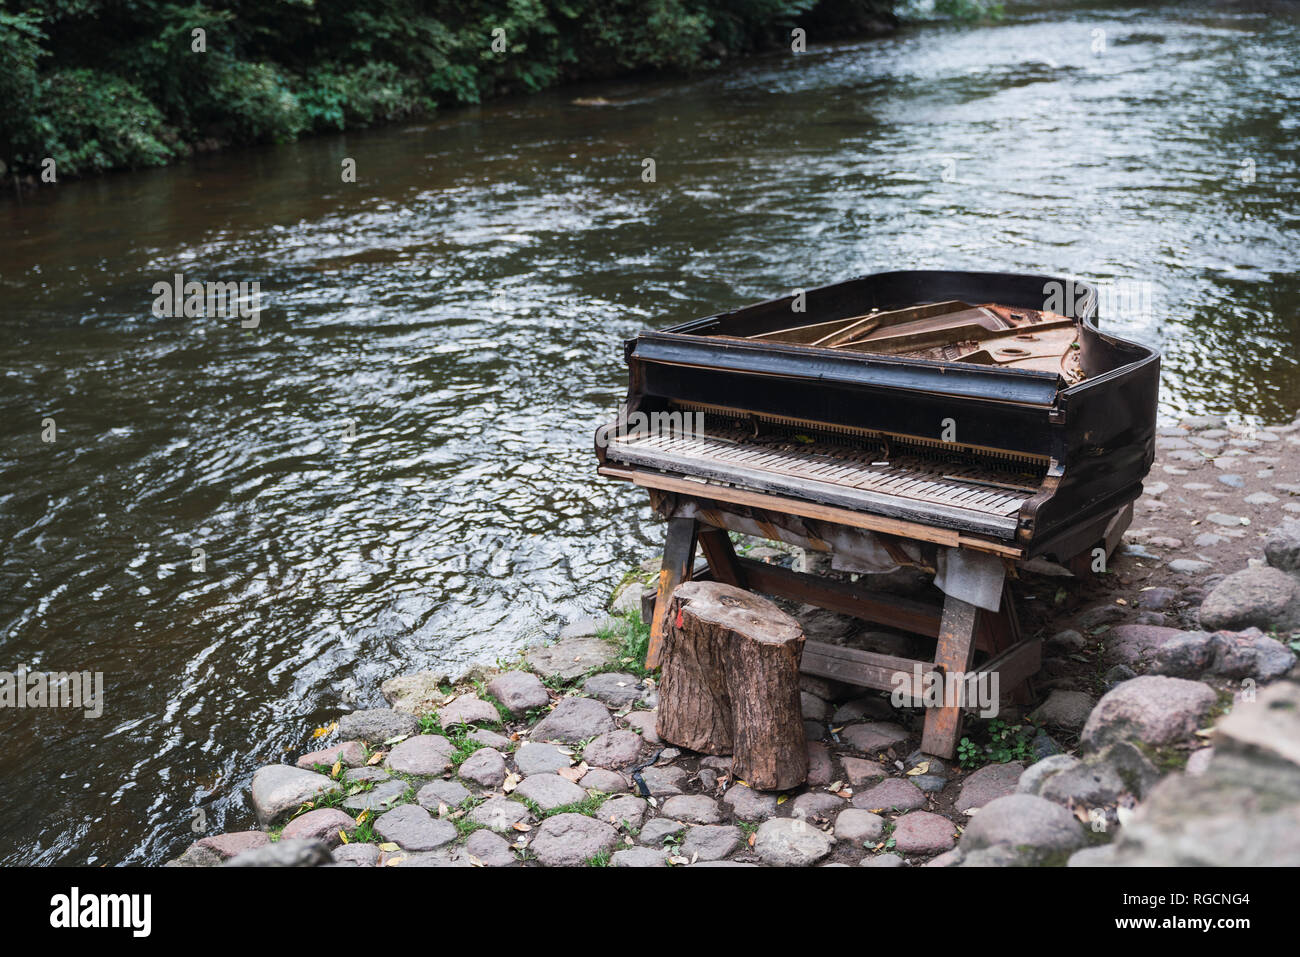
column 1101, row 779
column 1258, row 597
column 1243, row 809
column 279, row 790
column 420, row 693
column 1034, row 777
column 1030, row 828
column 1154, row 709
column 1250, row 654
column 1282, row 546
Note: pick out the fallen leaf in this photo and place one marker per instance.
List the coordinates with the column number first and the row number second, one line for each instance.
column 362, row 817
column 475, row 862
column 573, row 774
column 334, row 771
column 678, row 860
column 521, row 826
column 389, row 846
column 397, row 740
column 511, row 782
column 393, row 861
column 326, row 730
column 376, row 758
column 922, row 768
column 343, row 836
column 782, row 799
column 443, row 810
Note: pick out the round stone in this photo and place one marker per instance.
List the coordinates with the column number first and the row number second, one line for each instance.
column 790, row 842
column 920, row 832
column 572, row 840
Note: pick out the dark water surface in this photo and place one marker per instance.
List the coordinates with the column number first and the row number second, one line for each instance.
column 464, row 304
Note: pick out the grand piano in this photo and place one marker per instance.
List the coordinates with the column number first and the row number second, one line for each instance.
column 964, row 423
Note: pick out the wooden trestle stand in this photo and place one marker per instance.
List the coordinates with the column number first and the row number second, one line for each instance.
column 960, row 628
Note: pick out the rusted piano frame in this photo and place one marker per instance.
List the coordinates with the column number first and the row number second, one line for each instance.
column 960, row 628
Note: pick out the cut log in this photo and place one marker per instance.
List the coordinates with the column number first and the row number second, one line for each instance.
column 730, row 683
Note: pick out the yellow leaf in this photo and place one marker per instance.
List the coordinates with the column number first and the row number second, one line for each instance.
column 375, row 758
column 782, row 799
column 361, row 818
column 343, row 836
column 334, row 771
column 921, row 768
column 393, row 861
column 521, row 826
column 389, row 846
column 475, row 862
column 326, row 730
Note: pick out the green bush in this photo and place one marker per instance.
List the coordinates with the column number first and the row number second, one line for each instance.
column 337, row 99
column 254, row 103
column 92, row 121
column 20, row 49
column 103, row 83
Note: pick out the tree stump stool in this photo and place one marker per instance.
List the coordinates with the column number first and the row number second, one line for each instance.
column 730, row 683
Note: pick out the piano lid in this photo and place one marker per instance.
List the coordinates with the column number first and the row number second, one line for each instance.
column 861, row 369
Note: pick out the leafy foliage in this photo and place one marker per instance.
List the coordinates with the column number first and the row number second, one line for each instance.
column 1006, row 743
column 97, row 84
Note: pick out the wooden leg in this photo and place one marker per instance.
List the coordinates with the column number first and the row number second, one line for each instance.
column 721, row 556
column 955, row 655
column 679, row 556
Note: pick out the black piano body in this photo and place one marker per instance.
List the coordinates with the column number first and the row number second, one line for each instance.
column 919, row 421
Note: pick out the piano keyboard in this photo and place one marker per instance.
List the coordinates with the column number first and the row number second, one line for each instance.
column 913, row 488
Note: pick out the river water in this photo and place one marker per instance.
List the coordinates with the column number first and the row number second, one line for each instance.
column 393, row 471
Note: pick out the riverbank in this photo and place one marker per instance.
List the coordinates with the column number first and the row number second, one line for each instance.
column 1161, row 732
column 103, row 88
